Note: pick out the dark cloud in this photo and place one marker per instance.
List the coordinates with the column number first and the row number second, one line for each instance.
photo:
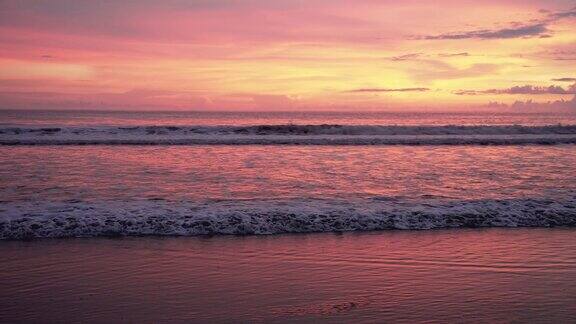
column 406, row 57
column 527, row 89
column 565, row 79
column 389, row 90
column 532, row 29
column 453, row 54
column 527, row 31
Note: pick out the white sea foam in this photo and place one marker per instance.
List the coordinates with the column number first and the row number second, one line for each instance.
column 291, row 135
column 25, row 220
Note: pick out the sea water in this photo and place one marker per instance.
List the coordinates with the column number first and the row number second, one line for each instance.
column 81, row 174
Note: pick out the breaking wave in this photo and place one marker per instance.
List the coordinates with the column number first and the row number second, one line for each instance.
column 291, row 135
column 27, row 220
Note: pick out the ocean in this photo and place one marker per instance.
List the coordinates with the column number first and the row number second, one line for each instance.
column 84, row 174
column 278, row 216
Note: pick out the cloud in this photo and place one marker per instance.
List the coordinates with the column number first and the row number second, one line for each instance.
column 532, row 106
column 369, row 90
column 429, row 70
column 558, row 105
column 565, row 80
column 564, row 14
column 559, row 52
column 406, row 57
column 527, row 89
column 419, row 56
column 536, row 28
column 527, row 31
column 453, row 54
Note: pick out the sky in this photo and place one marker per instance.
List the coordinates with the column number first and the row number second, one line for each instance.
column 288, row 55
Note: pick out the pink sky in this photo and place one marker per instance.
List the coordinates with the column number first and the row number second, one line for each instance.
column 282, row 55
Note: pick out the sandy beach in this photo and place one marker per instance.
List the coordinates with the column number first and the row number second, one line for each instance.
column 494, row 275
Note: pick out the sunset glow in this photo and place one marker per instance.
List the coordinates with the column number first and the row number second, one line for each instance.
column 283, row 55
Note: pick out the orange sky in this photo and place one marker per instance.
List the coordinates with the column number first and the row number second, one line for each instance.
column 282, row 55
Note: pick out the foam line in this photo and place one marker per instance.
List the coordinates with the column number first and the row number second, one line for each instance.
column 25, row 220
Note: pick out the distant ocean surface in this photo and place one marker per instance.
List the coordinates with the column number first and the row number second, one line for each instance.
column 83, row 174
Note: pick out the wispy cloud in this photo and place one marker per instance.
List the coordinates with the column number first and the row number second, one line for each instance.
column 389, row 90
column 430, row 70
column 527, row 89
column 527, row 31
column 453, row 54
column 535, row 28
column 406, row 57
column 420, row 56
column 564, row 14
column 559, row 52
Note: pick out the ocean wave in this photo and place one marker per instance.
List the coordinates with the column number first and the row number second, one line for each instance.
column 27, row 220
column 290, row 135
column 293, row 129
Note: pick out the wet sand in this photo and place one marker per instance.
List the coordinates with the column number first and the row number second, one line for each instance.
column 492, row 275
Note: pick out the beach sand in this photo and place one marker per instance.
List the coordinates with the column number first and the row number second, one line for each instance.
column 490, row 275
